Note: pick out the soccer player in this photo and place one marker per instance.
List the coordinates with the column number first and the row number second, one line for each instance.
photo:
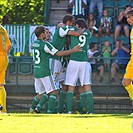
column 44, row 82
column 128, row 76
column 5, row 46
column 79, row 69
column 59, row 40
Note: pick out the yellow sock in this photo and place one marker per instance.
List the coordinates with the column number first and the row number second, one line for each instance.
column 129, row 89
column 3, row 98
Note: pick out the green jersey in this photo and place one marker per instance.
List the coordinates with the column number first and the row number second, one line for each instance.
column 106, row 54
column 42, row 51
column 59, row 38
column 82, row 40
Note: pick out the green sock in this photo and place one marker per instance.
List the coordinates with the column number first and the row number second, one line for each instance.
column 90, row 101
column 56, row 107
column 83, row 102
column 45, row 107
column 51, row 103
column 34, row 102
column 42, row 101
column 69, row 100
column 62, row 98
column 78, row 105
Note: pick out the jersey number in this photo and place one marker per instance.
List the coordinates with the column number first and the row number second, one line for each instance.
column 82, row 40
column 36, row 55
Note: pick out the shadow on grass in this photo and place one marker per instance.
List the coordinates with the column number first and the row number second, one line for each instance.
column 125, row 116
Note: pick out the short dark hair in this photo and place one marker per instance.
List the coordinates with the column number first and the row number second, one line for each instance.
column 92, row 45
column 81, row 22
column 128, row 6
column 67, row 17
column 39, row 30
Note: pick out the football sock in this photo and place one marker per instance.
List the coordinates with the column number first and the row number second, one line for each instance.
column 51, row 103
column 42, row 101
column 129, row 89
column 45, row 107
column 62, row 98
column 34, row 102
column 69, row 100
column 78, row 105
column 3, row 98
column 56, row 107
column 89, row 101
column 83, row 101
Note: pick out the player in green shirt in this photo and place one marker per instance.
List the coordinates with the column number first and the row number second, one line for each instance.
column 79, row 69
column 44, row 82
column 59, row 40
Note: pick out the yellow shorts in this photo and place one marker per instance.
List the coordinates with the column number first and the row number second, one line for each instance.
column 129, row 70
column 3, row 67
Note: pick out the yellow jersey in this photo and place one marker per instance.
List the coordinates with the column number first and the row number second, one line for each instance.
column 4, row 40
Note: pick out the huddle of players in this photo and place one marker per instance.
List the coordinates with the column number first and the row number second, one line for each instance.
column 49, row 68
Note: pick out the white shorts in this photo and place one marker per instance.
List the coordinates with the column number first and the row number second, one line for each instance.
column 58, row 71
column 62, row 74
column 55, row 67
column 45, row 84
column 78, row 71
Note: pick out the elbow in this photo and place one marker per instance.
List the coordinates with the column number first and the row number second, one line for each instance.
column 128, row 51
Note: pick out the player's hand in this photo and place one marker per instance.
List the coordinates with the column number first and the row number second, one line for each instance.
column 76, row 48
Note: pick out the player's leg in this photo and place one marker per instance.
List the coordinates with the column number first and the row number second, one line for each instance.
column 78, row 100
column 40, row 91
column 52, row 102
column 51, row 90
column 127, row 80
column 63, row 91
column 87, row 88
column 89, row 98
column 2, row 99
column 82, row 99
column 69, row 99
column 62, row 97
column 71, row 80
column 42, row 101
column 3, row 66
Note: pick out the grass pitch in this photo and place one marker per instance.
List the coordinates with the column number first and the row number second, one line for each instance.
column 64, row 123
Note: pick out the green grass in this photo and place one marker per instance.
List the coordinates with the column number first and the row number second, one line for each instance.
column 64, row 123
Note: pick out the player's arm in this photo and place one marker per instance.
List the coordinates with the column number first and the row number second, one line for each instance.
column 67, row 31
column 49, row 48
column 68, row 52
column 8, row 43
column 76, row 33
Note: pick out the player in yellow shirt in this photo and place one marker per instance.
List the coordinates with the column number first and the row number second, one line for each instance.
column 5, row 46
column 128, row 76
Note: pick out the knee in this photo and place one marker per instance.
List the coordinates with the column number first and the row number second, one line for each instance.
column 117, row 28
column 126, row 82
column 126, row 28
column 113, row 65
